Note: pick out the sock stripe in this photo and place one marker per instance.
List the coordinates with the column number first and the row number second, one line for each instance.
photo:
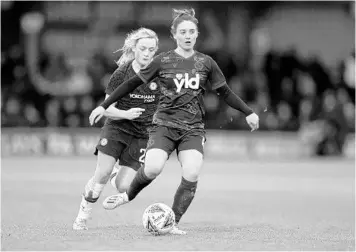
column 188, row 183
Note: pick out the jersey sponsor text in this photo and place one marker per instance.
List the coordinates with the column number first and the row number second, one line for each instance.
column 146, row 98
column 192, row 83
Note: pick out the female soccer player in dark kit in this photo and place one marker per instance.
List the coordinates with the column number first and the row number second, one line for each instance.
column 126, row 139
column 183, row 75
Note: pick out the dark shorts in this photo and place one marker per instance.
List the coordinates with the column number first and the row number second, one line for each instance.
column 129, row 150
column 170, row 139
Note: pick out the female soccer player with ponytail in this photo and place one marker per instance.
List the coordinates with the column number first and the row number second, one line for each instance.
column 184, row 74
column 123, row 140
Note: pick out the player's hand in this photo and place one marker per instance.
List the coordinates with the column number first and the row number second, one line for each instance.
column 133, row 113
column 253, row 121
column 96, row 115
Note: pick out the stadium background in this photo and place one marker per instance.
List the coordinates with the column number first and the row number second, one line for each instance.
column 291, row 59
column 293, row 62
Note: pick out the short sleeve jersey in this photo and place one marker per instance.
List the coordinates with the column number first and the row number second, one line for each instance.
column 145, row 96
column 182, row 83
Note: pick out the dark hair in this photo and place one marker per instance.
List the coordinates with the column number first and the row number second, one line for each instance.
column 183, row 15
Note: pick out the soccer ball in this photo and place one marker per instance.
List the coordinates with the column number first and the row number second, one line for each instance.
column 158, row 219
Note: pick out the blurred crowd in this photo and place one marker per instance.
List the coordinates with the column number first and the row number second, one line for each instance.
column 288, row 91
column 285, row 90
column 24, row 103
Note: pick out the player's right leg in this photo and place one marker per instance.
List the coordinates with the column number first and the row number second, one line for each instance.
column 93, row 189
column 107, row 151
column 155, row 161
column 159, row 147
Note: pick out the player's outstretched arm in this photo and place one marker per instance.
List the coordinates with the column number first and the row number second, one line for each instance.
column 122, row 90
column 118, row 114
column 144, row 76
column 237, row 103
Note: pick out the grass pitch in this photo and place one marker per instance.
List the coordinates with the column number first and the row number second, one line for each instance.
column 239, row 205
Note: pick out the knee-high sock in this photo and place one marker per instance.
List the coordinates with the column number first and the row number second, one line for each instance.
column 184, row 196
column 139, row 182
column 92, row 191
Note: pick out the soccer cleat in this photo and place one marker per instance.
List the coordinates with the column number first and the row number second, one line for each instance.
column 116, row 200
column 80, row 224
column 176, row 231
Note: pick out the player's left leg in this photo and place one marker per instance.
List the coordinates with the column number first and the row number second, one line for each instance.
column 121, row 181
column 131, row 159
column 114, row 174
column 190, row 154
column 122, row 177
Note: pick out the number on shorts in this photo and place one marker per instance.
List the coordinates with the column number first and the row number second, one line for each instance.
column 142, row 157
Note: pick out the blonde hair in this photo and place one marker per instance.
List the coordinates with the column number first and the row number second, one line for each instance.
column 131, row 41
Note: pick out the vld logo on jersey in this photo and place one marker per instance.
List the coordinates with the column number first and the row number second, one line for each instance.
column 187, row 82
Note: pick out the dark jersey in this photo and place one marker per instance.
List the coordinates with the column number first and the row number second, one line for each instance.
column 182, row 82
column 145, row 96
